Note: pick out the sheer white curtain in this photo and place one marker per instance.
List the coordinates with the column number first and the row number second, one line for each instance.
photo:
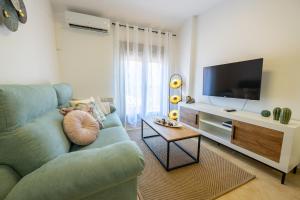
column 142, row 69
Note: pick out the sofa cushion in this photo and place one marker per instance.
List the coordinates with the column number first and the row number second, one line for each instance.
column 80, row 127
column 106, row 137
column 8, row 179
column 34, row 144
column 112, row 120
column 21, row 104
column 64, row 93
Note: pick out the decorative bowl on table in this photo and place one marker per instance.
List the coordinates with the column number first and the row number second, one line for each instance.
column 167, row 122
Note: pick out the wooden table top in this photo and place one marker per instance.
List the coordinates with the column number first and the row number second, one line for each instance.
column 171, row 134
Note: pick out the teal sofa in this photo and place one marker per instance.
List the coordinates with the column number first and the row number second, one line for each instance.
column 38, row 162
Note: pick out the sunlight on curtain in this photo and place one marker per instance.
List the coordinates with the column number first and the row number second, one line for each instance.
column 154, row 88
column 141, row 64
column 133, row 94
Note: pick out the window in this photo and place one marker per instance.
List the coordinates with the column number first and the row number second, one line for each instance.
column 143, row 82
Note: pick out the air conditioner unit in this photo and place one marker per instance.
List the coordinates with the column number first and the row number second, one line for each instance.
column 87, row 22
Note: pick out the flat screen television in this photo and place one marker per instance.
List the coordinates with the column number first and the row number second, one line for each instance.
column 240, row 80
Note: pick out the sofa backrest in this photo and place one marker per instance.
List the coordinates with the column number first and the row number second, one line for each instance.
column 31, row 132
column 64, row 93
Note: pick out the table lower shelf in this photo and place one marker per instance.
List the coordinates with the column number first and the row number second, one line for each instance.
column 171, row 154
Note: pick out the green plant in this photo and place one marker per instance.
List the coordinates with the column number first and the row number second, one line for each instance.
column 265, row 113
column 276, row 113
column 285, row 115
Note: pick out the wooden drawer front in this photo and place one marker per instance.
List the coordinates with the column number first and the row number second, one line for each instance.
column 189, row 116
column 263, row 141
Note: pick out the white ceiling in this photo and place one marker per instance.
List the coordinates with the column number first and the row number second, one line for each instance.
column 162, row 14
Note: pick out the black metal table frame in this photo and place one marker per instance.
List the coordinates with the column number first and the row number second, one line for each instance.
column 167, row 166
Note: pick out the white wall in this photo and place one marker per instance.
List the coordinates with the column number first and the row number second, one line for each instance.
column 240, row 30
column 29, row 55
column 86, row 60
column 186, row 54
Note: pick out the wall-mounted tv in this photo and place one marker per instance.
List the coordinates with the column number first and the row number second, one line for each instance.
column 234, row 80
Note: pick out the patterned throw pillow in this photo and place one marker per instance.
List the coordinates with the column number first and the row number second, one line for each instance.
column 90, row 106
column 74, row 103
column 97, row 113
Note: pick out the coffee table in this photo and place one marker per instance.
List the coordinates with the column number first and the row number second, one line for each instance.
column 171, row 135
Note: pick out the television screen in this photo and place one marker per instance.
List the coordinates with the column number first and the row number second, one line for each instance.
column 235, row 80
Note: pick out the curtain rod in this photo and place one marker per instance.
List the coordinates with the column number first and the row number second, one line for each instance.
column 140, row 29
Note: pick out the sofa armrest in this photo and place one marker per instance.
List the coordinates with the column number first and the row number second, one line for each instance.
column 80, row 174
column 112, row 108
column 8, row 179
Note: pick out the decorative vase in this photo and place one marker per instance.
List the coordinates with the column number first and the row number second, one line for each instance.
column 189, row 100
column 265, row 113
column 285, row 115
column 276, row 113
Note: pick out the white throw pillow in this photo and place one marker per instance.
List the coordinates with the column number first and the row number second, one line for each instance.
column 74, row 103
column 104, row 106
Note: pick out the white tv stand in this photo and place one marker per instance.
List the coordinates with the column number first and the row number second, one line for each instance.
column 261, row 138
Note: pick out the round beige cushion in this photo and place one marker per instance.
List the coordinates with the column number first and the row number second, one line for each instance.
column 80, row 127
